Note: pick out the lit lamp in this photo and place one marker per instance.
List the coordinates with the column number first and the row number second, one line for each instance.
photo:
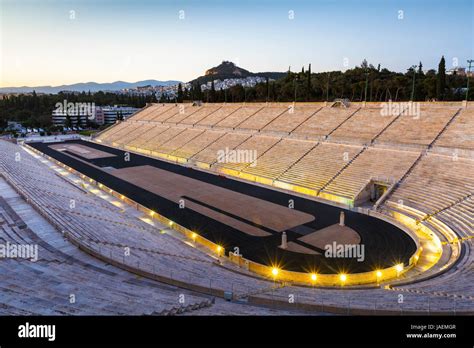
column 399, row 268
column 275, row 271
column 379, row 275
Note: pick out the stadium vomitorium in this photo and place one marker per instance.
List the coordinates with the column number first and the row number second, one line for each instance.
column 246, row 209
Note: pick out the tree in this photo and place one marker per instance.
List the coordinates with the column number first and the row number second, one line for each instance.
column 213, row 93
column 237, row 93
column 180, row 93
column 364, row 64
column 420, row 69
column 308, row 87
column 119, row 115
column 197, row 91
column 68, row 122
column 267, row 89
column 441, row 79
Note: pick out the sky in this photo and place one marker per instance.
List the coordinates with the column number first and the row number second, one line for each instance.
column 51, row 42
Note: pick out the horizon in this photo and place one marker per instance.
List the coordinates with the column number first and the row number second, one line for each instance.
column 143, row 40
column 173, row 80
column 87, row 82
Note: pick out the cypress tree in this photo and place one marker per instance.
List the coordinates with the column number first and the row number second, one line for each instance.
column 267, row 85
column 213, row 92
column 197, row 92
column 309, row 83
column 180, row 93
column 441, row 79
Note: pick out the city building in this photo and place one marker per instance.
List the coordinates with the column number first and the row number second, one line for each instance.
column 98, row 114
column 109, row 114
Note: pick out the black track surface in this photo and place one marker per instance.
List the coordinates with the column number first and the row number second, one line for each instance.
column 384, row 243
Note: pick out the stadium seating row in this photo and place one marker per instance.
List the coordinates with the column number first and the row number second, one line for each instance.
column 405, row 125
column 59, row 283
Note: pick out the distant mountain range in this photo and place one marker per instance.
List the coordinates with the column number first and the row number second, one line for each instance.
column 225, row 70
column 228, row 70
column 87, row 86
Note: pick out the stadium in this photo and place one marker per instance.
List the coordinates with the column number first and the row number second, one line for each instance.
column 246, row 209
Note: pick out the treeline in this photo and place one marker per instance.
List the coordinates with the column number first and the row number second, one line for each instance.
column 34, row 110
column 364, row 82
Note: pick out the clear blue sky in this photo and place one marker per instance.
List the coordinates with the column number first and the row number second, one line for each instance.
column 44, row 43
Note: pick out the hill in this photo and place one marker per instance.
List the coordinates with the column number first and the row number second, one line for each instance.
column 228, row 70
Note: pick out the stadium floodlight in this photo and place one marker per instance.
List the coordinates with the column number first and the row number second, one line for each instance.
column 152, row 213
column 314, row 277
column 193, row 235
column 170, row 223
column 275, row 271
column 378, row 274
column 219, row 249
column 399, row 267
column 469, row 61
column 342, row 277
